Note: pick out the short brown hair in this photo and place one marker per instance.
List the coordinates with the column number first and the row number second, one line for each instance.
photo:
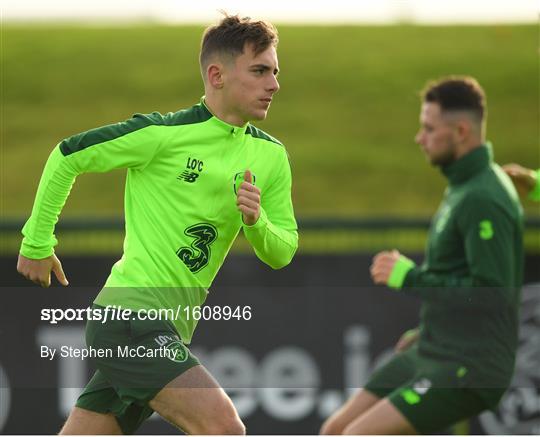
column 230, row 36
column 457, row 93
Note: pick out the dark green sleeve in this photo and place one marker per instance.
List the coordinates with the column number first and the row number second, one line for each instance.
column 488, row 236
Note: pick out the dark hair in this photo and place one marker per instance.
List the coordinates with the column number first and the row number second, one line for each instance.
column 457, row 94
column 231, row 35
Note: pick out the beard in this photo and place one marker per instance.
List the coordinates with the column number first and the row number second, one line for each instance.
column 444, row 158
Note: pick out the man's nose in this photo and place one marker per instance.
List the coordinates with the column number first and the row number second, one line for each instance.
column 273, row 85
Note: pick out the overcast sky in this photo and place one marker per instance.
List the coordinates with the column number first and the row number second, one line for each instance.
column 280, row 11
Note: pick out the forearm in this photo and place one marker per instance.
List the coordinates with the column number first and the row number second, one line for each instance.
column 273, row 245
column 463, row 291
column 54, row 187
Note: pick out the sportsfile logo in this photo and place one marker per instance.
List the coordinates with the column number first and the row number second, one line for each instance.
column 117, row 313
column 108, row 313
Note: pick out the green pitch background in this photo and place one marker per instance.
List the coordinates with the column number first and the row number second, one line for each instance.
column 347, row 110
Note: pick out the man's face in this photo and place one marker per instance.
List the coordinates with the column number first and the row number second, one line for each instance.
column 437, row 135
column 250, row 82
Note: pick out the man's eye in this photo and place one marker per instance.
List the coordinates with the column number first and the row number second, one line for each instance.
column 259, row 71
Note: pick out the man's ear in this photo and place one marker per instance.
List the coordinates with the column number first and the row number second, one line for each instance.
column 463, row 129
column 214, row 73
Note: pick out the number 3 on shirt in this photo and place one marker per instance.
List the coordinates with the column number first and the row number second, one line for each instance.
column 196, row 256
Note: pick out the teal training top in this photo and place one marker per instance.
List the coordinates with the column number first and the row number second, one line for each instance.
column 471, row 278
column 180, row 204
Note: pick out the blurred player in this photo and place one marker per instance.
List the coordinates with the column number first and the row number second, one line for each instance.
column 526, row 181
column 195, row 177
column 461, row 359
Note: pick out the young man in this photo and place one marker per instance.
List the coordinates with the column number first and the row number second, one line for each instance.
column 461, row 360
column 195, row 177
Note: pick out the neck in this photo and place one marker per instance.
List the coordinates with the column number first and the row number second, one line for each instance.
column 219, row 109
column 468, row 146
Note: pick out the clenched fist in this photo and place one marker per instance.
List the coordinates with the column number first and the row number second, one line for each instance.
column 382, row 266
column 39, row 270
column 248, row 200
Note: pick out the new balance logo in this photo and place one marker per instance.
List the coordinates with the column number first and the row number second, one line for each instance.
column 194, row 167
column 188, row 176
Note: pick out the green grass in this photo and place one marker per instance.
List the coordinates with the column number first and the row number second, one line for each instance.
column 347, row 110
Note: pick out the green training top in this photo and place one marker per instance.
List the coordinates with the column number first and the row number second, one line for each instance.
column 535, row 192
column 180, row 204
column 470, row 280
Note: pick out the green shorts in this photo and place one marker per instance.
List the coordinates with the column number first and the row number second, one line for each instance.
column 432, row 394
column 135, row 360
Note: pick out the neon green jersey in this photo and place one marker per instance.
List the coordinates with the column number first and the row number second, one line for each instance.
column 180, row 203
column 534, row 194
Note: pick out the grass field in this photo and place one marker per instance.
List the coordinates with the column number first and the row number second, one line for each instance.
column 347, row 110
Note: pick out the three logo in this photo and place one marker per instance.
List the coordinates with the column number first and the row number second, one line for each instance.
column 486, row 230
column 196, row 256
column 485, row 227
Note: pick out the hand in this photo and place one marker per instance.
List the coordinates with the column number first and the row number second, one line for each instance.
column 524, row 179
column 39, row 270
column 407, row 340
column 248, row 200
column 382, row 266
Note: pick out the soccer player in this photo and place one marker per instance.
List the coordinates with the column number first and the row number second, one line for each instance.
column 526, row 180
column 195, row 177
column 461, row 359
